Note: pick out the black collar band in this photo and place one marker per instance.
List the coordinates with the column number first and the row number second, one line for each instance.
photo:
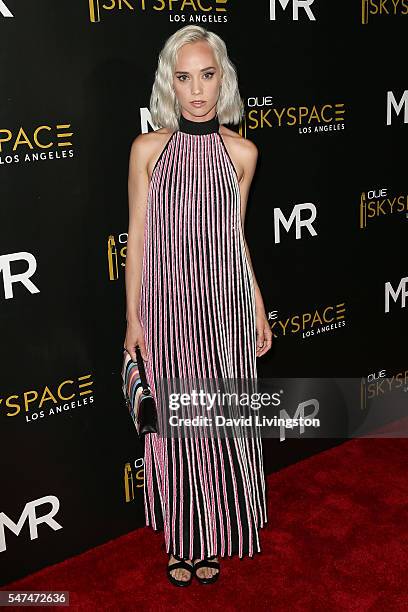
column 198, row 127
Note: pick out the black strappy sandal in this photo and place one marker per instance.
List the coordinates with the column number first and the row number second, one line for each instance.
column 207, row 562
column 182, row 564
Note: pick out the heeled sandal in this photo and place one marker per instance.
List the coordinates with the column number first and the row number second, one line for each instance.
column 207, row 562
column 181, row 564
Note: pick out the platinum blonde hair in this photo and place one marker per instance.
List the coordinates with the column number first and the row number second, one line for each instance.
column 164, row 106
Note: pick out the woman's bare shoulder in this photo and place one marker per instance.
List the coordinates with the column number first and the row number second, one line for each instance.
column 241, row 145
column 146, row 145
column 150, row 139
column 243, row 152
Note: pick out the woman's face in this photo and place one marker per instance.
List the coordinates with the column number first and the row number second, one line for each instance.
column 197, row 78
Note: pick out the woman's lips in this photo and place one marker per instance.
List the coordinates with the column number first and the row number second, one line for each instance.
column 197, row 103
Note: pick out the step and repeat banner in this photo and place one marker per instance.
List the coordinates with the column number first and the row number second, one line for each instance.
column 326, row 101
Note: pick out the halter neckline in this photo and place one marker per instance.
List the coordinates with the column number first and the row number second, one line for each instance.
column 198, row 127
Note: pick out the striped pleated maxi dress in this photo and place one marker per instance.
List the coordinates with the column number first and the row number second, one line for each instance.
column 197, row 309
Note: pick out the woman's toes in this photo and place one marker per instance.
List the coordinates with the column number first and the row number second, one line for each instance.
column 206, row 572
column 179, row 573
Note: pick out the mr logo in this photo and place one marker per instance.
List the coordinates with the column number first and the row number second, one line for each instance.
column 4, row 10
column 397, row 107
column 296, row 5
column 29, row 513
column 295, row 218
column 401, row 292
column 312, row 404
column 22, row 277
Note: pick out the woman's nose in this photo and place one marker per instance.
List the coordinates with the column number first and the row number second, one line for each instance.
column 195, row 87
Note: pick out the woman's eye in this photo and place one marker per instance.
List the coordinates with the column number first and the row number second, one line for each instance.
column 183, row 77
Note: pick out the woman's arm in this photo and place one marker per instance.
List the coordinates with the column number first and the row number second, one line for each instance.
column 249, row 158
column 138, row 185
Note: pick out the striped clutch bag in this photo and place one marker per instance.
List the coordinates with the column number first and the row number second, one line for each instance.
column 137, row 393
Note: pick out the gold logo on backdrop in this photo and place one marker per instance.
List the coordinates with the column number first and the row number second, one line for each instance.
column 69, row 393
column 128, row 482
column 307, row 119
column 112, row 259
column 94, row 11
column 133, row 480
column 376, row 203
column 242, row 131
column 364, row 11
column 363, row 394
column 37, row 139
column 116, row 255
column 321, row 320
column 379, row 385
column 195, row 6
column 382, row 8
column 363, row 211
column 41, row 142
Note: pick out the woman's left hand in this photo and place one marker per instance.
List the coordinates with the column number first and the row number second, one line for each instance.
column 263, row 333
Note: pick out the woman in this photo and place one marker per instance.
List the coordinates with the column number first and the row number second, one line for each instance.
column 193, row 304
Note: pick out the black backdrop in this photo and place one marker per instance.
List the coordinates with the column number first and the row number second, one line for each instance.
column 75, row 86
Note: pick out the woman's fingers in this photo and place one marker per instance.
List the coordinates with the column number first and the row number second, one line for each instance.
column 260, row 340
column 131, row 350
column 134, row 338
column 264, row 338
column 143, row 350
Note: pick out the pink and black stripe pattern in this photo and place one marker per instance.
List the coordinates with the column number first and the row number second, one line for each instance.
column 197, row 309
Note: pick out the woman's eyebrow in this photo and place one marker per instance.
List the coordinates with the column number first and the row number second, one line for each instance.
column 202, row 70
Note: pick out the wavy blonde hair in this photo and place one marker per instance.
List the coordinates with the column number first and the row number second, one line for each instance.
column 164, row 106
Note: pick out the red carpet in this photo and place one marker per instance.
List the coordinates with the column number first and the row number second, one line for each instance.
column 336, row 540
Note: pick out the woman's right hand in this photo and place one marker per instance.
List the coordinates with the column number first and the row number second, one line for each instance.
column 135, row 337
